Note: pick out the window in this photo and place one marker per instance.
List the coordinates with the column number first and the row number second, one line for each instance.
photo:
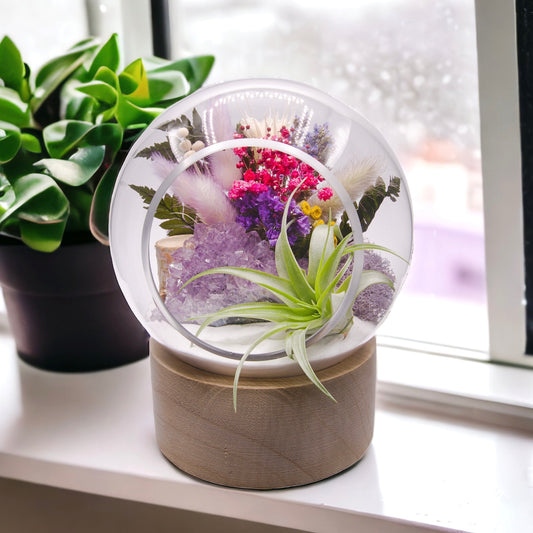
column 410, row 67
column 45, row 29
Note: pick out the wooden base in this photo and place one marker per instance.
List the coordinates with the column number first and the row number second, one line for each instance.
column 285, row 431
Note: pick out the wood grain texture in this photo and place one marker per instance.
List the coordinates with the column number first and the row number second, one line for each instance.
column 285, row 432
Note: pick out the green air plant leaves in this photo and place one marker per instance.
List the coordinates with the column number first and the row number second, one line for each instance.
column 308, row 300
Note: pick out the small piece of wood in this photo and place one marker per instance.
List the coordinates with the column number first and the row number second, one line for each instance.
column 285, row 431
column 163, row 252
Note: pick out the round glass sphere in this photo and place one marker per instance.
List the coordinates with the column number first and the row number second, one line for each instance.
column 257, row 215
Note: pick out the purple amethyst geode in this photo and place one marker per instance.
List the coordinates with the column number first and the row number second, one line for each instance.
column 373, row 303
column 221, row 245
column 216, row 245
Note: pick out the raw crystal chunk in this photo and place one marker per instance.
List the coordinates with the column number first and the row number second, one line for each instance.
column 216, row 245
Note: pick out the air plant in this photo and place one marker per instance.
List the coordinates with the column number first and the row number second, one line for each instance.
column 306, row 301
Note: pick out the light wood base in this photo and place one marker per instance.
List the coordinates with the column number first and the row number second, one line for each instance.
column 285, row 431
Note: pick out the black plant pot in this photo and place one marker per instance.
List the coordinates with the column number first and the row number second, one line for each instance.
column 66, row 310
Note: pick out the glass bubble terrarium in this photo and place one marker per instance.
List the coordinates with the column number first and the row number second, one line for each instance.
column 260, row 231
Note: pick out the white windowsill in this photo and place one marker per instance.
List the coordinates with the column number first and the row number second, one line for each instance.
column 437, row 459
column 477, row 390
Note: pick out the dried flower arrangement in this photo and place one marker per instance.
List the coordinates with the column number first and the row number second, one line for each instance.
column 270, row 239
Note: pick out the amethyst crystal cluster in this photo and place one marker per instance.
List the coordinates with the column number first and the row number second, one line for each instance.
column 372, row 303
column 217, row 245
column 221, row 245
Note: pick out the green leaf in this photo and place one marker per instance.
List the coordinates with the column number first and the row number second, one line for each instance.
column 129, row 115
column 13, row 109
column 328, row 290
column 300, row 355
column 146, row 193
column 42, row 237
column 317, row 248
column 167, row 85
column 195, row 69
column 158, row 149
column 80, row 207
column 101, row 91
column 106, row 75
column 280, row 287
column 175, row 227
column 108, row 55
column 286, row 263
column 12, row 69
column 7, row 195
column 264, row 337
column 267, row 311
column 328, row 268
column 109, row 135
column 196, row 132
column 31, row 143
column 29, row 191
column 99, row 213
column 367, row 246
column 62, row 137
column 57, row 70
column 10, row 141
column 48, row 207
column 134, row 83
column 78, row 169
column 373, row 198
column 75, row 104
column 372, row 277
column 179, row 219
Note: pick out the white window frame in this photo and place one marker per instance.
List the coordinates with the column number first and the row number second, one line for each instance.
column 502, row 179
column 417, row 375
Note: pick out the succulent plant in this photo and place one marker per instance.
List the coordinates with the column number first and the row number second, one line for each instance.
column 65, row 132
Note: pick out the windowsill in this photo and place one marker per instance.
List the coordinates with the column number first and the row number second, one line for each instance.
column 476, row 390
column 427, row 465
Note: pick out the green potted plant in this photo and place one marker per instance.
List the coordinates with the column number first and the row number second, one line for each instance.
column 64, row 133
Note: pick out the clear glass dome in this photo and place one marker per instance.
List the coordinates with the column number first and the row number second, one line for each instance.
column 288, row 209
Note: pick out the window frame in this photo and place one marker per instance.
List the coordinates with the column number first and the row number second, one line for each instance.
column 415, row 375
column 502, row 179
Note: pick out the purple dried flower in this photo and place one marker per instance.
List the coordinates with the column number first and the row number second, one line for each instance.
column 263, row 213
column 318, row 142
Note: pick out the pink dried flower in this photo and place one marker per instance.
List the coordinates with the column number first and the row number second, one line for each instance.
column 325, row 194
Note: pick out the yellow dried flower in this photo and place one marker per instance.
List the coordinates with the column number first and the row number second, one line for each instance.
column 315, row 212
column 317, row 223
column 305, row 207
